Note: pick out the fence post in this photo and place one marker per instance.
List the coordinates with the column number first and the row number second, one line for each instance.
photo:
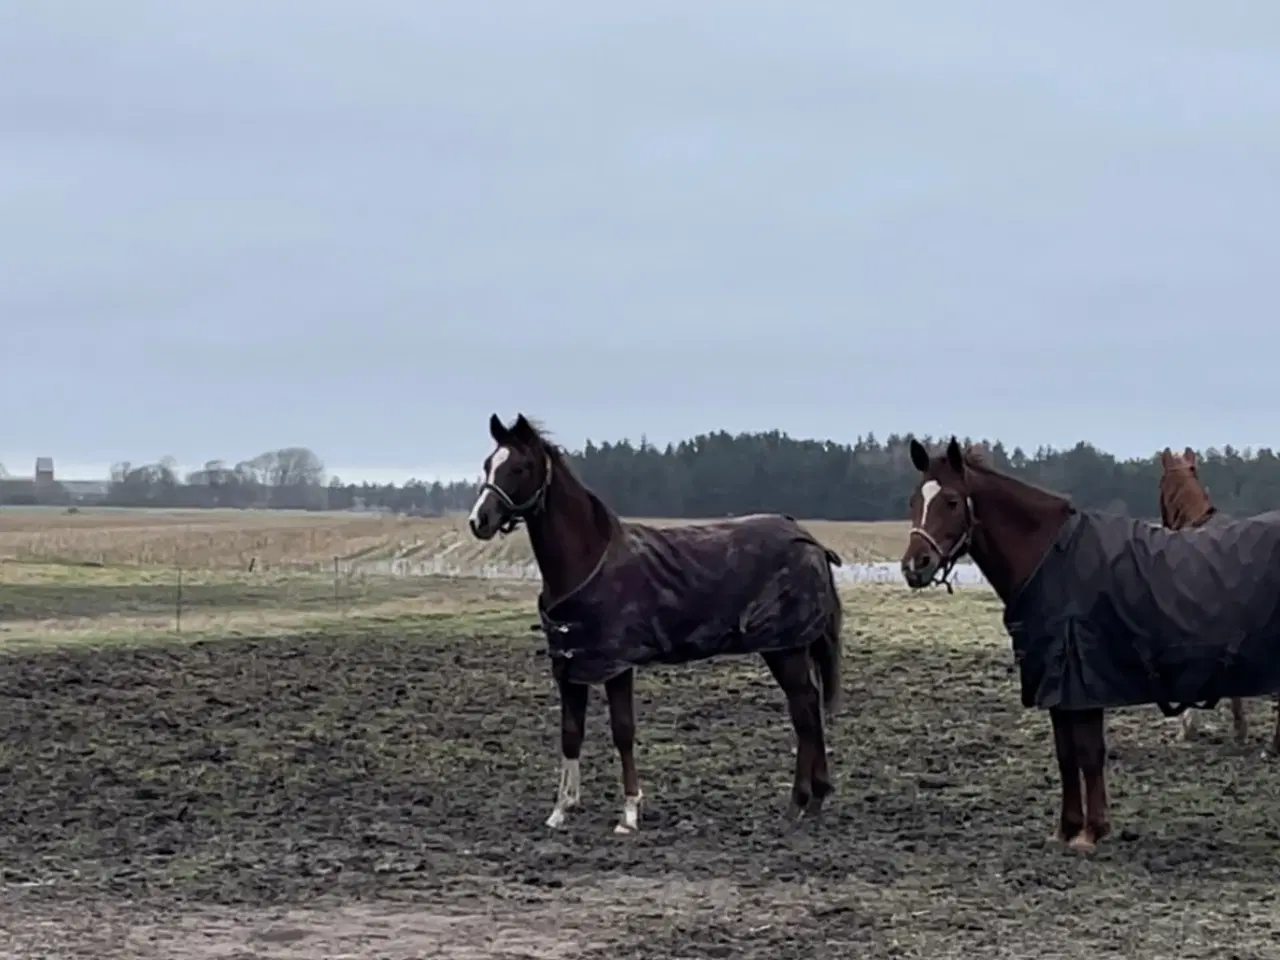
column 337, row 599
column 179, row 600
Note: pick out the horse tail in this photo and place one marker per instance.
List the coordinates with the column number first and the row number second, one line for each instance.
column 828, row 650
column 833, row 558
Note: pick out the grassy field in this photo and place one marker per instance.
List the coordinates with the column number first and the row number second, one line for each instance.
column 368, row 776
column 231, row 539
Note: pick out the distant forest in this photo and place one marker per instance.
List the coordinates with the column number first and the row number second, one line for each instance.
column 716, row 474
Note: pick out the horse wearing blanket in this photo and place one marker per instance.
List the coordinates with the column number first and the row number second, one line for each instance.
column 1103, row 611
column 619, row 595
column 1185, row 503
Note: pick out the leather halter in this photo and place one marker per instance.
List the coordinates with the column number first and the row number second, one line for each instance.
column 958, row 549
column 517, row 513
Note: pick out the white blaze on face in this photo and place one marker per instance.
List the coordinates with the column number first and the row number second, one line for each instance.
column 499, row 457
column 928, row 490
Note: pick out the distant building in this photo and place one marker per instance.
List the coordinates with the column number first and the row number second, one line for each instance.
column 44, row 471
column 87, row 491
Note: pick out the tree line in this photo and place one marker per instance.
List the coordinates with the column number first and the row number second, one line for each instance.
column 711, row 475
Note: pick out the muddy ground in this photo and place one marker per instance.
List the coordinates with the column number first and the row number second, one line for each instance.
column 366, row 796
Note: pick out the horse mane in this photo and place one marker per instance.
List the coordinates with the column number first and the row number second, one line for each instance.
column 605, row 518
column 977, row 459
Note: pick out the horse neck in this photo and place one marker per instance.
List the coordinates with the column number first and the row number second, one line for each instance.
column 1187, row 506
column 569, row 534
column 1015, row 524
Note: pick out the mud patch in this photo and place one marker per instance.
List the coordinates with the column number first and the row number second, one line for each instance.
column 384, row 797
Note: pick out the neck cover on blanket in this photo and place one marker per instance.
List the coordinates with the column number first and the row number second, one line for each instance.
column 1122, row 612
column 675, row 594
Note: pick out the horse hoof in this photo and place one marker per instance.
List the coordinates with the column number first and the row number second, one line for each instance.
column 1081, row 843
column 794, row 815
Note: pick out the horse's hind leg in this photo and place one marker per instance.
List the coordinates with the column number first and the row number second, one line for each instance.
column 622, row 719
column 573, row 722
column 791, row 669
column 822, row 787
column 1238, row 721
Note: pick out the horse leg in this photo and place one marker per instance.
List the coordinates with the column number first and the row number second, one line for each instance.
column 573, row 722
column 1187, row 723
column 622, row 719
column 790, row 668
column 821, row 778
column 1238, row 722
column 1071, row 820
column 1275, row 737
column 1090, row 734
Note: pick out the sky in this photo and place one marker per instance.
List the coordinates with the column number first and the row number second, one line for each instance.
column 239, row 225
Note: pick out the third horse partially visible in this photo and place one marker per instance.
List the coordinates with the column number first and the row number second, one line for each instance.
column 1185, row 504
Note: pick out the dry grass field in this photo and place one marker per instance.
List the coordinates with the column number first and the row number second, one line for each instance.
column 230, row 539
column 367, row 776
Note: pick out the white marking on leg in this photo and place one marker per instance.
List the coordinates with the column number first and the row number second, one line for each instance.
column 1187, row 724
column 498, row 458
column 630, row 821
column 570, row 793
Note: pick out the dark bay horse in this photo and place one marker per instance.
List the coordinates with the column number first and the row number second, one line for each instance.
column 1185, row 503
column 1104, row 611
column 619, row 595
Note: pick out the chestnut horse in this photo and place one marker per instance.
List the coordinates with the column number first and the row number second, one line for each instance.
column 617, row 595
column 963, row 506
column 1185, row 503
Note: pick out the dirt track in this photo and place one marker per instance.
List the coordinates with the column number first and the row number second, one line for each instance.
column 384, row 798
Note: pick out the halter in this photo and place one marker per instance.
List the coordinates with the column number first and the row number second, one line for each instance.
column 519, row 512
column 958, row 549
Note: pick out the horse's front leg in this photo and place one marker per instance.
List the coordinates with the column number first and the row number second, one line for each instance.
column 1071, row 819
column 1274, row 749
column 1187, row 724
column 573, row 722
column 1090, row 734
column 622, row 719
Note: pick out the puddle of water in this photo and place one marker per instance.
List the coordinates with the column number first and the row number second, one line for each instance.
column 883, row 571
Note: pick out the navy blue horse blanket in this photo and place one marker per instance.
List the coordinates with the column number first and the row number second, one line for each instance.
column 1122, row 612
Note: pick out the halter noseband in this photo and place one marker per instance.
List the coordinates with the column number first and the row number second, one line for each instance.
column 958, row 549
column 519, row 512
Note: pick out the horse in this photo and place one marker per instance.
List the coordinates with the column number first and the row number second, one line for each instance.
column 1104, row 611
column 1185, row 503
column 618, row 595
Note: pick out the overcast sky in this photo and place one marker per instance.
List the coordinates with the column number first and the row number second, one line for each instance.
column 363, row 227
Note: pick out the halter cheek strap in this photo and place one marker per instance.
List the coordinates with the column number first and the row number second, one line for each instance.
column 958, row 549
column 519, row 512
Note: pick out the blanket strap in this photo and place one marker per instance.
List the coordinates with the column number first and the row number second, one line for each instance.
column 551, row 628
column 1158, row 684
column 1225, row 664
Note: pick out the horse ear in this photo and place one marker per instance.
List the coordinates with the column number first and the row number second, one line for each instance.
column 1166, row 457
column 523, row 430
column 955, row 456
column 919, row 456
column 498, row 430
column 1189, row 455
